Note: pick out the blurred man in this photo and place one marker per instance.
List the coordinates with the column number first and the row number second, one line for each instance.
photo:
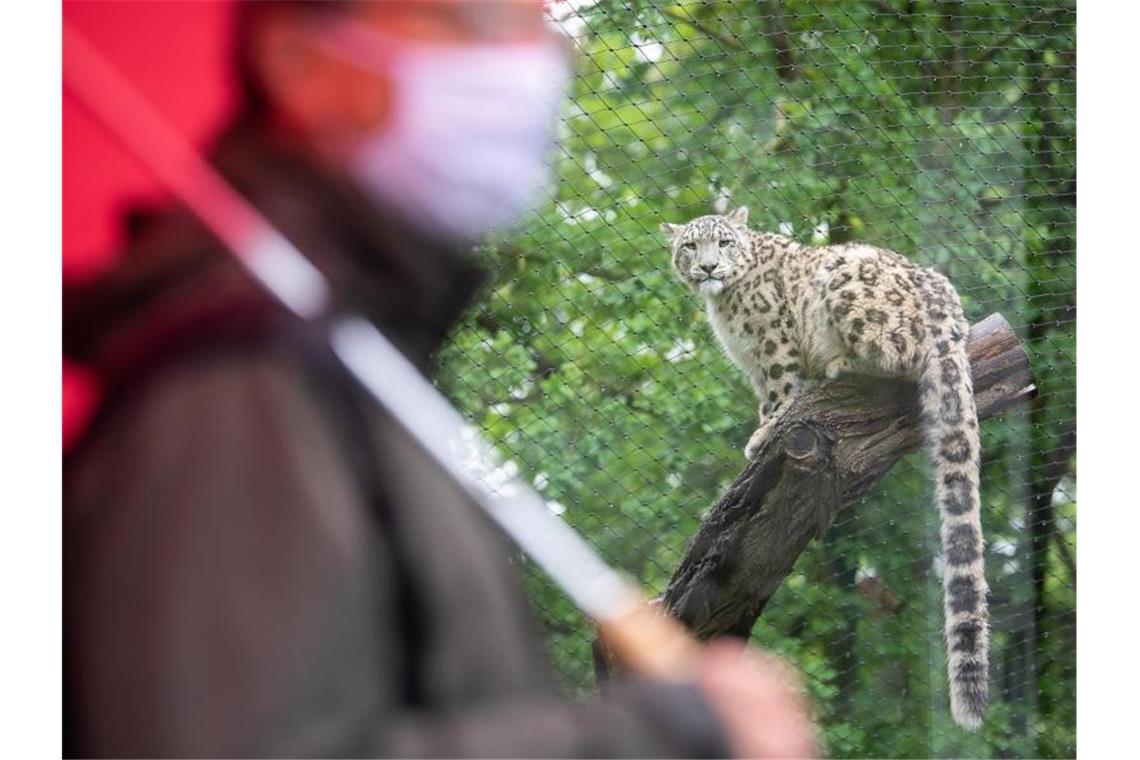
column 257, row 562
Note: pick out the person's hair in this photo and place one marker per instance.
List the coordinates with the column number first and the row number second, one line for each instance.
column 253, row 100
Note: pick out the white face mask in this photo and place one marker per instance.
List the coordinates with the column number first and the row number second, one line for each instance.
column 467, row 146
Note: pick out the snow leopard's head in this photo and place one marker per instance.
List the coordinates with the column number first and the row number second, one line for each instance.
column 708, row 252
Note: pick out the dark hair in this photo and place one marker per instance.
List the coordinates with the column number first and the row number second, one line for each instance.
column 253, row 103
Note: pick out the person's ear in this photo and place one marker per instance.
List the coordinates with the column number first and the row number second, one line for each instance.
column 322, row 94
column 739, row 216
column 284, row 62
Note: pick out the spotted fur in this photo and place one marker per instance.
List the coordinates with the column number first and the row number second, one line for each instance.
column 787, row 314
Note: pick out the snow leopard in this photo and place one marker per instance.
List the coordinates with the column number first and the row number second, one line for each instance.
column 788, row 314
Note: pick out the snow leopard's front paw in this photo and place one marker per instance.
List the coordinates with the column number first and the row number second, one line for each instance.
column 757, row 440
column 838, row 366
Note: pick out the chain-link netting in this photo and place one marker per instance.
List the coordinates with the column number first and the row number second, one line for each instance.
column 942, row 130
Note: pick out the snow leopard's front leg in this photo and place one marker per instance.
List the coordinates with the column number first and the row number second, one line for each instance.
column 782, row 386
column 838, row 366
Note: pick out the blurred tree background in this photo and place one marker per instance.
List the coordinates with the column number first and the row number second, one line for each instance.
column 944, row 130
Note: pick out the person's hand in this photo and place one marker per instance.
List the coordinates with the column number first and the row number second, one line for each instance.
column 759, row 699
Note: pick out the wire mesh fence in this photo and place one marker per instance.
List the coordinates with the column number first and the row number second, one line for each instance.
column 941, row 130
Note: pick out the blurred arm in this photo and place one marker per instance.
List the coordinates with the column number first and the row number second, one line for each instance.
column 228, row 593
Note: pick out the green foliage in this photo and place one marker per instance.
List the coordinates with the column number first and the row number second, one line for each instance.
column 943, row 130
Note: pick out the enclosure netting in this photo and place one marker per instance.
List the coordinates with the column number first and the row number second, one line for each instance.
column 942, row 130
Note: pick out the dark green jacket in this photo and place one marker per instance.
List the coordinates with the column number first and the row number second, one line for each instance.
column 256, row 561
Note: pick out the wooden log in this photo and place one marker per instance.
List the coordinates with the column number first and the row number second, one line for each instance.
column 831, row 445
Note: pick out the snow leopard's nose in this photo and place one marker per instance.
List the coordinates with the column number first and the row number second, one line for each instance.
column 708, row 267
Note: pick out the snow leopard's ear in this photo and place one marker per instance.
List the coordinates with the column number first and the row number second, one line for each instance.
column 671, row 230
column 739, row 215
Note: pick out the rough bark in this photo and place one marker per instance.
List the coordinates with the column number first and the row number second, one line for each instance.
column 832, row 445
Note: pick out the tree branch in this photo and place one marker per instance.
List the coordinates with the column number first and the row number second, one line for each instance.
column 721, row 37
column 1065, row 554
column 986, row 54
column 781, row 44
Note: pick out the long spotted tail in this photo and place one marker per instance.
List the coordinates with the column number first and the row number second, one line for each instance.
column 951, row 427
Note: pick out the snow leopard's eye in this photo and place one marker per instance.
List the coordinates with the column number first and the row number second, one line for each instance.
column 688, row 246
column 725, row 242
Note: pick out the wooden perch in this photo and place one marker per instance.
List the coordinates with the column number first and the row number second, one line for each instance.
column 829, row 448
